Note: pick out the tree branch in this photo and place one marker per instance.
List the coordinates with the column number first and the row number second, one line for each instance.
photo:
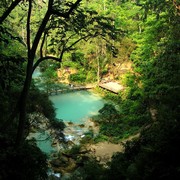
column 82, row 38
column 42, row 44
column 41, row 28
column 17, row 38
column 28, row 27
column 8, row 11
column 43, row 59
column 66, row 14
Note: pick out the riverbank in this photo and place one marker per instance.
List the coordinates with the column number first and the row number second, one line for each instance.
column 66, row 158
column 103, row 151
column 73, row 159
column 76, row 132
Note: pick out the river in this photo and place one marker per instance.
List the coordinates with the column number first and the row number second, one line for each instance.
column 77, row 106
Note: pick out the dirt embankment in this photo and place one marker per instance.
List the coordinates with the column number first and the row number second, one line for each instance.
column 104, row 151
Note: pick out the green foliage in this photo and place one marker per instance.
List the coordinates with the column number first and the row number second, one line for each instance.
column 40, row 103
column 109, row 96
column 91, row 76
column 115, row 125
column 100, row 138
column 91, row 170
column 12, row 69
column 74, row 150
column 57, row 124
column 156, row 60
column 154, row 155
column 11, row 59
column 147, row 32
column 79, row 77
column 133, row 111
column 108, row 110
column 88, row 138
column 25, row 162
column 69, row 63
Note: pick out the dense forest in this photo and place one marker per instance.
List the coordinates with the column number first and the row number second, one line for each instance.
column 95, row 38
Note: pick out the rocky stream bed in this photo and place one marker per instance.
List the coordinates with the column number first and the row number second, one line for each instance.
column 68, row 155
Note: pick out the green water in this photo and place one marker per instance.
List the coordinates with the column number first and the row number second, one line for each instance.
column 44, row 142
column 76, row 106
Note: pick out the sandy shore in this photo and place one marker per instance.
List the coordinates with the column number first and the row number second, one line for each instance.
column 104, row 151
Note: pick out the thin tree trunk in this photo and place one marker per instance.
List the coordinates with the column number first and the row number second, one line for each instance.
column 31, row 66
column 98, row 71
column 22, row 104
column 29, row 71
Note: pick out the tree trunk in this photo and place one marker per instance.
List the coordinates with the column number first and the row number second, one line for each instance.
column 30, row 67
column 22, row 104
column 98, row 71
column 29, row 71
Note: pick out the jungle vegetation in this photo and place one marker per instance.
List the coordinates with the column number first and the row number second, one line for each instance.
column 94, row 37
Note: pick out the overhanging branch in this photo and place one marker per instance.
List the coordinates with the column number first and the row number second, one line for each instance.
column 66, row 14
column 43, row 59
column 74, row 43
